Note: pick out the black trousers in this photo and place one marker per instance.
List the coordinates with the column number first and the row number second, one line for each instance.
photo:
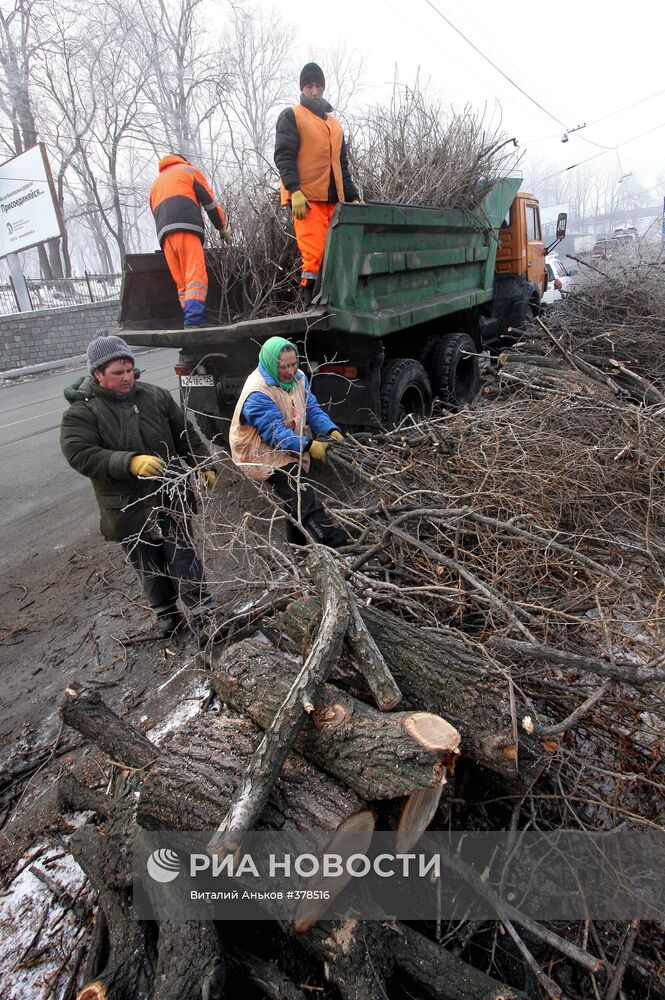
column 169, row 567
column 303, row 504
column 285, row 483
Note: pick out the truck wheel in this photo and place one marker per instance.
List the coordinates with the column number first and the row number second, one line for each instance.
column 405, row 390
column 454, row 369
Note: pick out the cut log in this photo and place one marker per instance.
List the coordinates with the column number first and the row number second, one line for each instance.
column 265, row 975
column 309, row 912
column 442, row 672
column 289, row 717
column 83, row 710
column 200, row 770
column 442, row 974
column 129, row 966
column 418, row 812
column 190, row 961
column 360, row 958
column 355, row 955
column 379, row 755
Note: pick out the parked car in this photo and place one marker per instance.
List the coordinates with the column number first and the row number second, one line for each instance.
column 560, row 280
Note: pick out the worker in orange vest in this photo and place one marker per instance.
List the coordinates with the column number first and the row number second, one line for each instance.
column 176, row 199
column 310, row 154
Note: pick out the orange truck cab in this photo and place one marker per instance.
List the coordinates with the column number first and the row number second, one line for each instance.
column 520, row 273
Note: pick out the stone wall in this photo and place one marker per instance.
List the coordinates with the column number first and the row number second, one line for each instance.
column 52, row 334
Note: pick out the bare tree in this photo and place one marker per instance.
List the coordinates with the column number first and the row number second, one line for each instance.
column 19, row 41
column 260, row 80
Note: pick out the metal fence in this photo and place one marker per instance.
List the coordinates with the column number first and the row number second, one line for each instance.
column 62, row 292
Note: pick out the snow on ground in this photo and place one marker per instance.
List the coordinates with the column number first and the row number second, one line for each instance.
column 187, row 708
column 37, row 933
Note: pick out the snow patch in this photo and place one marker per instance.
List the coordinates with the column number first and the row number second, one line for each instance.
column 187, row 709
column 23, row 906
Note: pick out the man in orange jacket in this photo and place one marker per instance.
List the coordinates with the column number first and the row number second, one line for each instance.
column 176, row 199
column 310, row 154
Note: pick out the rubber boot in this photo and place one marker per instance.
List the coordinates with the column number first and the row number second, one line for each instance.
column 324, row 531
column 172, row 623
column 308, row 292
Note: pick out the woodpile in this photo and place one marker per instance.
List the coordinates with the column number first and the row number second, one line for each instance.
column 226, row 767
column 485, row 654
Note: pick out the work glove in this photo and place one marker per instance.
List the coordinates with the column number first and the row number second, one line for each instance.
column 225, row 234
column 299, row 205
column 318, row 449
column 337, row 435
column 146, row 466
column 209, row 478
column 358, row 201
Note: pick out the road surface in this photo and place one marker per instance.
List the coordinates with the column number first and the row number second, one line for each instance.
column 44, row 504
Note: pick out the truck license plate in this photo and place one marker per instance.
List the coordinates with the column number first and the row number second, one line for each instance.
column 193, row 381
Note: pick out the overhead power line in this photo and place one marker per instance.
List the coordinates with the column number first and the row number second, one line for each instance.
column 597, row 121
column 612, row 149
column 494, row 65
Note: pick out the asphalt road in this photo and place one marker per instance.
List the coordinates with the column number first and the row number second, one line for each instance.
column 44, row 504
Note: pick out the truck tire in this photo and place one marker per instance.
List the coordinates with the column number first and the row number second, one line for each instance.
column 405, row 390
column 454, row 370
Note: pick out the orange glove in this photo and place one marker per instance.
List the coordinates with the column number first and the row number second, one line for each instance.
column 146, row 466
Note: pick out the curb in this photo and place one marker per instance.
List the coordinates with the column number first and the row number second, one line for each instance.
column 51, row 366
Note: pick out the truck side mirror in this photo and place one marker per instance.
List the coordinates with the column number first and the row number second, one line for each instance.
column 561, row 223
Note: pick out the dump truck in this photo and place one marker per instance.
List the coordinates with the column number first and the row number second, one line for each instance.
column 409, row 297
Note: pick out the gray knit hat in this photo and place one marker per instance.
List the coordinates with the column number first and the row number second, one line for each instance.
column 104, row 347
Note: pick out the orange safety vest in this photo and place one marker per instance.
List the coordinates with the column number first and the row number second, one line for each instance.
column 319, row 152
column 249, row 451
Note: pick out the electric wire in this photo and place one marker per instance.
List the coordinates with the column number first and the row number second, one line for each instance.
column 494, row 65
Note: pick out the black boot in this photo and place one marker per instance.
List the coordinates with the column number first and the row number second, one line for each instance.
column 172, row 623
column 308, row 292
column 323, row 531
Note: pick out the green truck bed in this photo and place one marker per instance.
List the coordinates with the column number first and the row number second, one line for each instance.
column 394, row 279
column 386, row 268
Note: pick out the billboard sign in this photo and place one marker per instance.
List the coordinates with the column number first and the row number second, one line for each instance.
column 29, row 212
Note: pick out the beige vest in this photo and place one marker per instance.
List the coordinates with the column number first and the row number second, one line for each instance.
column 257, row 459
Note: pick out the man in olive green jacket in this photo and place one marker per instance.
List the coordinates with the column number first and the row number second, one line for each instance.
column 122, row 435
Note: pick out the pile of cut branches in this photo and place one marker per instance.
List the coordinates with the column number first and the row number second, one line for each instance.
column 414, row 152
column 258, row 273
column 617, row 317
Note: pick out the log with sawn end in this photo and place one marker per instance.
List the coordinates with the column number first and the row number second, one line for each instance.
column 379, row 755
column 440, row 671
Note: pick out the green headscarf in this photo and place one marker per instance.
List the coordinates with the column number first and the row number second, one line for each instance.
column 269, row 358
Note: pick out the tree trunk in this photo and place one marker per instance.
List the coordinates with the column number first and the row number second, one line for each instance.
column 290, row 713
column 379, row 755
column 441, row 672
column 191, row 785
column 190, row 961
column 83, row 710
column 129, row 966
column 442, row 974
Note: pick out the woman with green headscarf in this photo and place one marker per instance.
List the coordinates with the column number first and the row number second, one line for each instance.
column 270, row 441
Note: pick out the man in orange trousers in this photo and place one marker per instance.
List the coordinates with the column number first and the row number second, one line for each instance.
column 176, row 199
column 310, row 154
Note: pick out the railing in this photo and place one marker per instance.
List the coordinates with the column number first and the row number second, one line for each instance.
column 59, row 292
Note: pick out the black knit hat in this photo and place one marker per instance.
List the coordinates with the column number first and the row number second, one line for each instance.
column 105, row 347
column 311, row 73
